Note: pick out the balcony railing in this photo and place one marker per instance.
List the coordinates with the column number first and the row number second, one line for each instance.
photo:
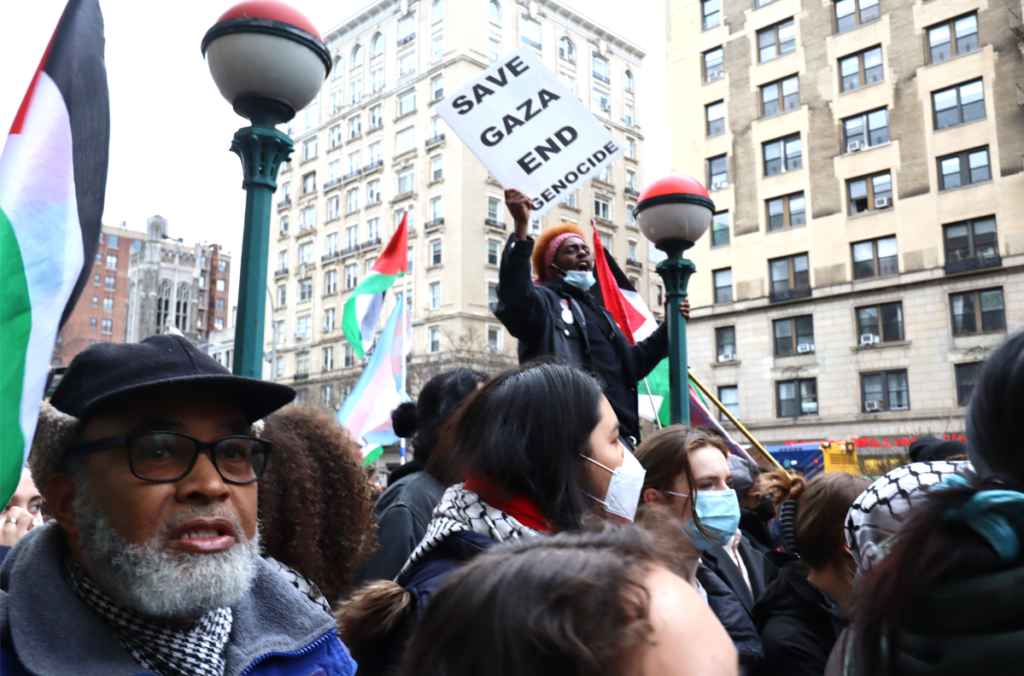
column 330, row 256
column 789, row 294
column 352, row 175
column 333, row 183
column 601, row 77
column 370, row 243
column 280, row 272
column 634, row 263
column 407, row 39
column 434, row 140
column 632, row 192
column 973, row 263
column 287, row 201
column 492, row 223
column 301, row 376
column 430, row 225
column 377, row 164
column 350, row 250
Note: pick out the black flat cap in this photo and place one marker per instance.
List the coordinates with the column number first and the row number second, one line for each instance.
column 109, row 372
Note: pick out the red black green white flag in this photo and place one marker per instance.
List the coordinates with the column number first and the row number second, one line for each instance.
column 53, row 175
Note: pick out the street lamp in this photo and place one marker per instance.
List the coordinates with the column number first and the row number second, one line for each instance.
column 673, row 212
column 268, row 61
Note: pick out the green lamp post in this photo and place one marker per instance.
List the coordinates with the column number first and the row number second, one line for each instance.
column 268, row 61
column 673, row 212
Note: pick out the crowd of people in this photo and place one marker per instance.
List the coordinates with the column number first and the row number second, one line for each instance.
column 177, row 520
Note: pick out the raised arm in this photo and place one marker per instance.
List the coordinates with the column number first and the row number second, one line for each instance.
column 519, row 308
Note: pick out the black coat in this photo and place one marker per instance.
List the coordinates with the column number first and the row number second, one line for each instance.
column 798, row 624
column 733, row 616
column 759, row 569
column 533, row 314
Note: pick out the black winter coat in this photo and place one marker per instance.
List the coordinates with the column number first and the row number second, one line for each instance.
column 533, row 314
column 733, row 616
column 760, row 570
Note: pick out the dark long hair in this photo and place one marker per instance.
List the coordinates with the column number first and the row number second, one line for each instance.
column 569, row 605
column 528, row 428
column 995, row 426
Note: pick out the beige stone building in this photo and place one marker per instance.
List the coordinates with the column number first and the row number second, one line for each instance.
column 865, row 158
column 372, row 148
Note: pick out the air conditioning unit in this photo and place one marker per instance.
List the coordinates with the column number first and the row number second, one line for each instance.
column 854, row 146
column 720, row 185
column 805, row 347
column 715, row 75
column 727, row 356
column 868, row 339
column 883, row 202
column 872, row 406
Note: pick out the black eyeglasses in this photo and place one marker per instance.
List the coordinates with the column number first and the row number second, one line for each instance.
column 170, row 456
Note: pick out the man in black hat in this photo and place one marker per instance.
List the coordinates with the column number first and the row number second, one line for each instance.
column 148, row 459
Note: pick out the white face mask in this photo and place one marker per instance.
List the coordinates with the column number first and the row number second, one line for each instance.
column 623, row 494
column 578, row 278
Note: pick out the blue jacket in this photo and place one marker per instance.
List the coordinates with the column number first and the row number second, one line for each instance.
column 46, row 629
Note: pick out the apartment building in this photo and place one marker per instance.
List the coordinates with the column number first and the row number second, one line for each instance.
column 372, row 149
column 865, row 158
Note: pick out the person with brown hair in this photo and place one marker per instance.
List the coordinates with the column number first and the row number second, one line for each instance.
column 688, row 476
column 316, row 507
column 802, row 612
column 576, row 604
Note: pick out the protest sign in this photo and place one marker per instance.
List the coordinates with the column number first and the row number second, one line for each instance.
column 529, row 130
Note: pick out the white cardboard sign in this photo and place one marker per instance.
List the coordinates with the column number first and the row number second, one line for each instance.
column 529, row 130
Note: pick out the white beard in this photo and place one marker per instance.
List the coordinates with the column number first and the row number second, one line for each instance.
column 158, row 582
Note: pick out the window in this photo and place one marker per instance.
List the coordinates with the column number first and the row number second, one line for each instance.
column 729, row 395
column 410, row 224
column 774, row 41
column 599, row 69
column 370, row 262
column 796, row 398
column 782, row 155
column 875, row 258
column 333, row 208
column 723, row 285
column 493, row 339
column 437, row 47
column 407, row 29
column 279, row 367
column 92, row 323
column 309, row 183
column 605, row 174
column 355, row 90
column 793, row 335
column 305, row 289
column 599, row 101
column 404, row 181
column 789, row 274
column 964, row 168
column 337, row 101
column 571, row 199
column 494, row 49
column 437, row 11
column 953, row 38
column 352, row 200
column 351, row 276
column 720, row 229
column 436, row 126
column 960, row 104
column 975, row 309
column 405, row 140
column 302, row 364
column 410, row 260
column 202, row 281
column 493, row 209
column 312, row 115
column 373, row 230
column 357, row 56
column 884, row 391
column 113, row 241
column 437, row 87
column 787, row 211
column 435, row 252
column 880, row 323
column 436, row 168
column 326, row 391
column 569, row 81
column 436, row 209
column 602, row 208
column 714, row 65
column 966, row 376
column 861, row 69
column 374, row 155
column 329, row 316
column 305, row 253
column 376, row 116
column 718, row 173
column 111, row 262
column 630, row 148
column 335, row 136
column 107, row 326
column 529, row 32
column 853, row 13
column 377, row 46
column 407, row 103
column 332, row 244
column 630, row 179
column 492, row 292
column 406, row 63
column 108, row 304
column 95, row 301
column 628, row 115
column 351, row 237
column 109, row 282
column 309, row 150
column 284, row 225
column 534, row 226
column 222, row 265
column 866, row 130
column 330, row 281
column 355, row 127
column 725, row 343
column 715, row 116
column 373, row 192
column 307, row 218
column 976, row 238
column 870, row 193
column 435, row 295
column 566, row 50
column 494, row 12
column 493, row 252
column 711, row 13
column 434, row 339
column 348, row 356
column 282, row 296
column 220, row 305
column 96, row 279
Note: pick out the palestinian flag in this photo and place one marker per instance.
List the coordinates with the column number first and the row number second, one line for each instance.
column 620, row 297
column 362, row 311
column 53, row 175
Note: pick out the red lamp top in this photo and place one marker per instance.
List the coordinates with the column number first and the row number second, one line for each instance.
column 674, row 184
column 271, row 9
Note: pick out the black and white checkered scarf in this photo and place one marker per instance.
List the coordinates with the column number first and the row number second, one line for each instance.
column 188, row 650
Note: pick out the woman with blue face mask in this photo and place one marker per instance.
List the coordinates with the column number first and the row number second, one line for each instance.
column 688, row 478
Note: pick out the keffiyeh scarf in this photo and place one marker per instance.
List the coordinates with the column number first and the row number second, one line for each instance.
column 463, row 510
column 300, row 582
column 188, row 650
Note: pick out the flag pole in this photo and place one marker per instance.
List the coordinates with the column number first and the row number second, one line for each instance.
column 405, row 357
column 735, row 421
column 657, row 418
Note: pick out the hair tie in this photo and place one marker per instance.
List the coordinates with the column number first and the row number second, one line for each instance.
column 996, row 515
column 787, row 525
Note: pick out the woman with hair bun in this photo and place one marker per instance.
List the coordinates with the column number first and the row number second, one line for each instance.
column 801, row 613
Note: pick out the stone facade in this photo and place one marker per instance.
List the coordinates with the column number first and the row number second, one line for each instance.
column 380, row 150
column 851, row 218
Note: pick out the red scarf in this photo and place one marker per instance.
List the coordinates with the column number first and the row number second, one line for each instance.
column 498, row 495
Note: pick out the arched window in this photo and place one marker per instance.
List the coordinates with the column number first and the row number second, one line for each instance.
column 163, row 305
column 336, row 69
column 566, row 50
column 438, row 11
column 377, row 46
column 181, row 309
column 629, row 81
column 494, row 12
column 357, row 56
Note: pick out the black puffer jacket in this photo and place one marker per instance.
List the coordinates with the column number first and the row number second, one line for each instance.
column 535, row 315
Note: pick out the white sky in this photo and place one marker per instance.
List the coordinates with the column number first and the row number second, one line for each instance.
column 170, row 128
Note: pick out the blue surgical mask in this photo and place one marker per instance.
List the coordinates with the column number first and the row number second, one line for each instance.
column 719, row 514
column 578, row 278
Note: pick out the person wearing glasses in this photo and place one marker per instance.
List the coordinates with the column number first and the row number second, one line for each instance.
column 148, row 457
